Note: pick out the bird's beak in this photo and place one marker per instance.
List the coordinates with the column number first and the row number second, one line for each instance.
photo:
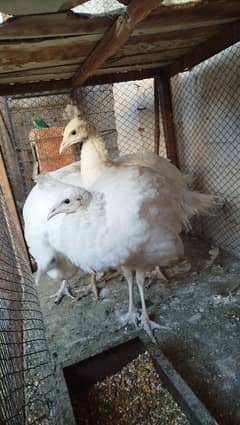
column 54, row 211
column 64, row 145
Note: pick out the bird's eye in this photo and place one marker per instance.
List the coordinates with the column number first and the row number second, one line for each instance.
column 73, row 132
column 67, row 201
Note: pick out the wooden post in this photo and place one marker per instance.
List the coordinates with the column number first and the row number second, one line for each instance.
column 167, row 118
column 156, row 116
column 10, row 203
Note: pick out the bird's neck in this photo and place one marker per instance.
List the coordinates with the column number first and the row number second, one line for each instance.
column 94, row 159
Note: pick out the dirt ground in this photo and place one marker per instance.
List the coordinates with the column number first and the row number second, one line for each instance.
column 200, row 309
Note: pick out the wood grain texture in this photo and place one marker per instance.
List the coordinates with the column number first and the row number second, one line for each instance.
column 114, row 38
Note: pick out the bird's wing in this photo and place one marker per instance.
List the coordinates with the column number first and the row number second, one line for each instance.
column 157, row 163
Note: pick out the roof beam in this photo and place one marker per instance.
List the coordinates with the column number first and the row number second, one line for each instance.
column 48, row 86
column 228, row 36
column 114, row 38
column 39, row 87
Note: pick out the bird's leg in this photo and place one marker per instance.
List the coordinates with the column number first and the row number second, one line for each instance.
column 94, row 287
column 145, row 323
column 90, row 288
column 156, row 274
column 131, row 317
column 64, row 290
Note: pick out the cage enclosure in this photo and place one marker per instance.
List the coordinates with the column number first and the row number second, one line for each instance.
column 158, row 76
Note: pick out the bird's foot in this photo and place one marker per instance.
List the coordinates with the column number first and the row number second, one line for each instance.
column 62, row 292
column 85, row 291
column 149, row 326
column 154, row 275
column 109, row 275
column 132, row 317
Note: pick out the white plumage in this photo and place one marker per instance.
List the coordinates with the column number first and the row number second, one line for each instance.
column 135, row 220
column 37, row 205
column 131, row 218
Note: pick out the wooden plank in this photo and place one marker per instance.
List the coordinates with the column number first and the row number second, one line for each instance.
column 165, row 19
column 156, row 117
column 36, row 77
column 32, row 55
column 167, row 118
column 39, row 87
column 54, row 25
column 144, row 58
column 114, row 38
column 205, row 11
column 130, row 75
column 48, row 86
column 8, row 196
column 138, row 67
column 169, row 39
column 227, row 37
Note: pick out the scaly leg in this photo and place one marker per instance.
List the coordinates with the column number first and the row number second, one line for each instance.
column 63, row 291
column 147, row 324
column 154, row 275
column 132, row 316
column 94, row 287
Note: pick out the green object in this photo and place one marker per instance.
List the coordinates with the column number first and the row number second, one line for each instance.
column 39, row 123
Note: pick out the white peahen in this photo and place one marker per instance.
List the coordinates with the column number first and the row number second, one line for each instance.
column 37, row 205
column 131, row 217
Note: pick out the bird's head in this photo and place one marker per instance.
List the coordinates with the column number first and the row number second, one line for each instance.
column 77, row 130
column 70, row 201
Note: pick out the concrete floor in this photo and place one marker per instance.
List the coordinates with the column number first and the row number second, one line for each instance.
column 200, row 308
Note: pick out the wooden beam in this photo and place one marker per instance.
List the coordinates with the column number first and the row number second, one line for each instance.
column 228, row 36
column 156, row 116
column 144, row 58
column 54, row 25
column 123, row 76
column 48, row 86
column 18, row 88
column 138, row 67
column 167, row 118
column 114, row 38
column 11, row 207
column 40, row 54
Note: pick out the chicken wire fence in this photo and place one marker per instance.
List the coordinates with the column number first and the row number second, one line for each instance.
column 206, row 104
column 26, row 379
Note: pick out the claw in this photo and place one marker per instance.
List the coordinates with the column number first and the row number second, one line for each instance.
column 63, row 291
column 149, row 326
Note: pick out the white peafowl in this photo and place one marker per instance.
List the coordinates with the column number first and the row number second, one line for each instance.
column 131, row 217
column 41, row 198
column 95, row 157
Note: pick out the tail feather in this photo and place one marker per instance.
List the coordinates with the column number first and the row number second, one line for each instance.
column 196, row 203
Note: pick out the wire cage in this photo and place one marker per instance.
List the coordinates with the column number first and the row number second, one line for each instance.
column 206, row 116
column 26, row 385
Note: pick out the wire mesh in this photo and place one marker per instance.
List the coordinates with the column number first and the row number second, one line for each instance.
column 19, row 113
column 135, row 117
column 124, row 115
column 206, row 113
column 97, row 103
column 26, row 380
